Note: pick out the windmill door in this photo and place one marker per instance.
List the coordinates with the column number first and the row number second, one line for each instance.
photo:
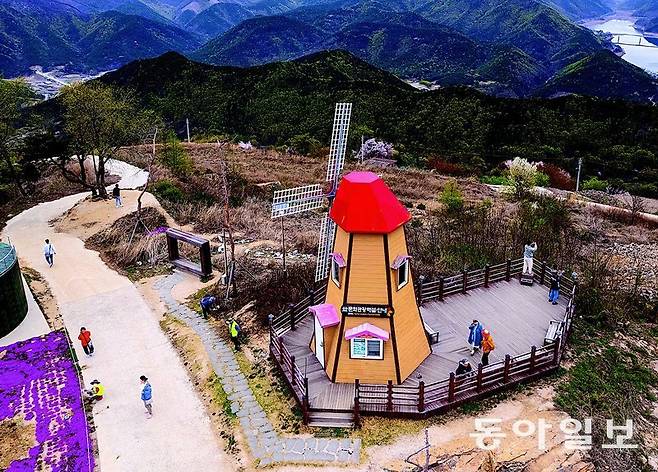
column 319, row 341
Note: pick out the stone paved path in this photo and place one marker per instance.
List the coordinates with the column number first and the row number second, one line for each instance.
column 265, row 444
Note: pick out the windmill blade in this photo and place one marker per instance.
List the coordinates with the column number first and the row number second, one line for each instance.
column 339, row 141
column 327, row 233
column 291, row 201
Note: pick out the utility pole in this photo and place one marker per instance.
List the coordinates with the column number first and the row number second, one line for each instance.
column 283, row 245
column 580, row 165
column 187, row 124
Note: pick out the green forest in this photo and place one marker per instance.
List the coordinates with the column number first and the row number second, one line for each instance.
column 279, row 103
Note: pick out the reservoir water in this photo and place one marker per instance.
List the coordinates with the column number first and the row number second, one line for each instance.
column 644, row 55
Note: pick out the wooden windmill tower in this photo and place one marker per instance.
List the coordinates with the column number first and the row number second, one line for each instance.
column 369, row 327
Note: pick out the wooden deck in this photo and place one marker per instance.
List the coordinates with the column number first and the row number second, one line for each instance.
column 517, row 316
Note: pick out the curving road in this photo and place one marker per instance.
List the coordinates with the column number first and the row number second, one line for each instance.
column 129, row 343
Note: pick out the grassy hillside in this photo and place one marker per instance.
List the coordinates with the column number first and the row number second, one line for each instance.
column 537, row 29
column 261, row 40
column 218, row 19
column 623, row 80
column 276, row 102
column 581, row 9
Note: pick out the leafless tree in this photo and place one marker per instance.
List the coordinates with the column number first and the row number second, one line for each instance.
column 151, row 160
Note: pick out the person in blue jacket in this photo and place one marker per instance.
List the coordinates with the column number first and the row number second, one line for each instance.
column 207, row 303
column 147, row 395
column 475, row 336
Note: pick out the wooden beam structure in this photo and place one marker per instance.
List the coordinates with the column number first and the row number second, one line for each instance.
column 174, row 236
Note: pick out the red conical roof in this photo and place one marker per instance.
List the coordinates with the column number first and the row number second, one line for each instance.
column 365, row 204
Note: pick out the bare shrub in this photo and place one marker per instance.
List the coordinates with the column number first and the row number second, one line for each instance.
column 269, row 288
column 145, row 250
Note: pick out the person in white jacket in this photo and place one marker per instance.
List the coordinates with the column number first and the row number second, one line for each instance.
column 49, row 252
column 528, row 257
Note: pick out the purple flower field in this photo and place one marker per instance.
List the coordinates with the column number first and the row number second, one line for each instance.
column 38, row 382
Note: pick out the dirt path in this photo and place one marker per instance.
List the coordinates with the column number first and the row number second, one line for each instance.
column 129, row 343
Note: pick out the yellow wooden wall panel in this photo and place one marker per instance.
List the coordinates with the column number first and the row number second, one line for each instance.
column 367, row 270
column 366, row 370
column 412, row 343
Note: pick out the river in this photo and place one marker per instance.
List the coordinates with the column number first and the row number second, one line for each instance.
column 644, row 56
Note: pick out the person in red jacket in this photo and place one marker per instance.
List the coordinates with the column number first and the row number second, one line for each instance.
column 85, row 340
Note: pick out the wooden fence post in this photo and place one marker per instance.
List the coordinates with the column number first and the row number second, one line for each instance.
column 306, row 402
column 311, row 294
column 441, row 286
column 542, row 274
column 508, row 361
column 389, row 395
column 281, row 353
column 478, row 385
column 421, row 396
column 451, row 388
column 556, row 350
column 508, row 271
column 464, row 280
column 291, row 307
column 533, row 355
column 486, row 275
column 357, row 413
column 292, row 370
column 421, row 280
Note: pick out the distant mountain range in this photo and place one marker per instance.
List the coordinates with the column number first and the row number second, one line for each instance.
column 38, row 33
column 503, row 47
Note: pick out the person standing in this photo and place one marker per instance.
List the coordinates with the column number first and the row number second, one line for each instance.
column 49, row 253
column 528, row 257
column 234, row 331
column 116, row 193
column 487, row 346
column 554, row 293
column 207, row 302
column 85, row 340
column 147, row 395
column 475, row 336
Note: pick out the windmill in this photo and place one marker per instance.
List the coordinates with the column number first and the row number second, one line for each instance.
column 311, row 197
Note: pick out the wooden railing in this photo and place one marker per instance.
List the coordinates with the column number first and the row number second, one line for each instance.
column 469, row 280
column 425, row 399
column 291, row 317
column 295, row 379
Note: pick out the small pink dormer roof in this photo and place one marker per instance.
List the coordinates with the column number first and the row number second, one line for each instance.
column 326, row 314
column 365, row 204
column 366, row 330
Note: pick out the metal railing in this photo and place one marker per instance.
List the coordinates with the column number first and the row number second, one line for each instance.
column 8, row 260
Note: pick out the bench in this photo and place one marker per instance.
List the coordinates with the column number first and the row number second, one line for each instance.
column 432, row 335
column 553, row 332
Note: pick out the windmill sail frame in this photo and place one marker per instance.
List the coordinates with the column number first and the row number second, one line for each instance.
column 342, row 117
column 291, row 201
column 327, row 235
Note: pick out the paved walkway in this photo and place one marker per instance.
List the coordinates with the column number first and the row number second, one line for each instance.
column 265, row 444
column 129, row 342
